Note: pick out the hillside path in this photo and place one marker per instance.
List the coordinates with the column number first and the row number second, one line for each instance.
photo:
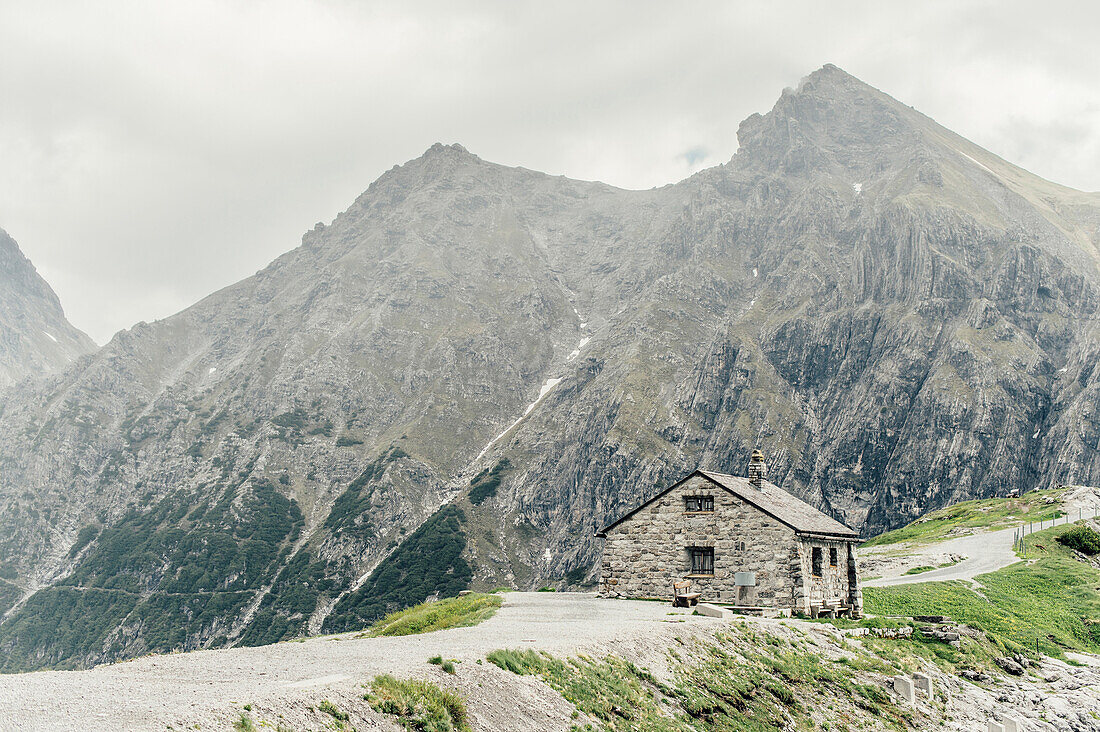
column 985, row 552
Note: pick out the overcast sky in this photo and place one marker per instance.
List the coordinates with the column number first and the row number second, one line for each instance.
column 151, row 153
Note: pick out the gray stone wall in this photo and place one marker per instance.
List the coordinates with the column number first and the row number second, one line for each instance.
column 833, row 586
column 649, row 551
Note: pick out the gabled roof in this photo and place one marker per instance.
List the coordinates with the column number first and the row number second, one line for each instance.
column 769, row 498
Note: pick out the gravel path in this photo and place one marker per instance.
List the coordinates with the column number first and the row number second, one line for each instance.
column 157, row 691
column 984, row 552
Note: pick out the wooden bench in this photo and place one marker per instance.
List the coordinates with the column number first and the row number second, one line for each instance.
column 681, row 597
column 832, row 609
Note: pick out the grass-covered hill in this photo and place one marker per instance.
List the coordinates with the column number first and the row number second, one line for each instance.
column 1034, row 507
column 1048, row 602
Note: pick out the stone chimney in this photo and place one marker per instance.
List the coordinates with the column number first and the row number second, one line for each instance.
column 758, row 469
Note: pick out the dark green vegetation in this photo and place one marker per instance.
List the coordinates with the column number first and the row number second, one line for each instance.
column 170, row 573
column 85, row 536
column 9, row 595
column 350, row 515
column 418, row 705
column 453, row 612
column 428, row 562
column 987, row 513
column 1082, row 539
column 447, row 664
column 306, row 578
column 485, row 484
column 333, row 711
column 742, row 682
column 58, row 626
column 174, row 574
column 1051, row 601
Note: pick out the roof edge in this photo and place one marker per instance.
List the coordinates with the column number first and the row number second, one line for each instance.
column 602, row 533
column 850, row 535
column 802, row 532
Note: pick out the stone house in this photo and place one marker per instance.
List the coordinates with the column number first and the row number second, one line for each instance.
column 741, row 541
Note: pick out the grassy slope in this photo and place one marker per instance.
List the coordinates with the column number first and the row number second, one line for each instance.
column 453, row 612
column 745, row 681
column 990, row 513
column 1051, row 599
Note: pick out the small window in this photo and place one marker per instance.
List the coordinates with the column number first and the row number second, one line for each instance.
column 702, row 560
column 832, row 557
column 739, row 546
column 815, row 561
column 698, row 503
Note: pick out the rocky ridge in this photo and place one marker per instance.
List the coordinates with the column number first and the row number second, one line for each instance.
column 35, row 337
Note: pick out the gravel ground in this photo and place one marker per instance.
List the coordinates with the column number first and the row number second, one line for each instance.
column 211, row 687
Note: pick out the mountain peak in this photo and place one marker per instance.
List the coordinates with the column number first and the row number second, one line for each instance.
column 830, row 117
column 36, row 336
column 453, row 149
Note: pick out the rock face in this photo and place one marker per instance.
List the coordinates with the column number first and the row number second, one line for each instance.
column 35, row 337
column 894, row 316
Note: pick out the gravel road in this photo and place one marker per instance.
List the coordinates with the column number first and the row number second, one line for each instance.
column 984, row 552
column 155, row 692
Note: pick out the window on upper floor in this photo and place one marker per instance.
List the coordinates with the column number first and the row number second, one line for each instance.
column 739, row 546
column 832, row 557
column 815, row 561
column 696, row 504
column 702, row 559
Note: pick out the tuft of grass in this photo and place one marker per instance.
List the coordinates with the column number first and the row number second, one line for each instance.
column 418, row 705
column 928, row 568
column 446, row 664
column 244, row 724
column 920, row 570
column 997, row 513
column 333, row 711
column 453, row 612
column 1052, row 601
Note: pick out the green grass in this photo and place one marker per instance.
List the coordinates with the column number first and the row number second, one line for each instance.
column 928, row 568
column 446, row 664
column 1052, row 599
column 333, row 711
column 244, row 724
column 452, row 612
column 743, row 681
column 418, row 705
column 982, row 514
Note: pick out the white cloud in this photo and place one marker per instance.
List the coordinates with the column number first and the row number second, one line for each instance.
column 153, row 153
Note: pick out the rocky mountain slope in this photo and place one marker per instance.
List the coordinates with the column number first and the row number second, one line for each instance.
column 35, row 337
column 475, row 366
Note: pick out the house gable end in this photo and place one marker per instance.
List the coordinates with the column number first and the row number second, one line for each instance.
column 602, row 533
